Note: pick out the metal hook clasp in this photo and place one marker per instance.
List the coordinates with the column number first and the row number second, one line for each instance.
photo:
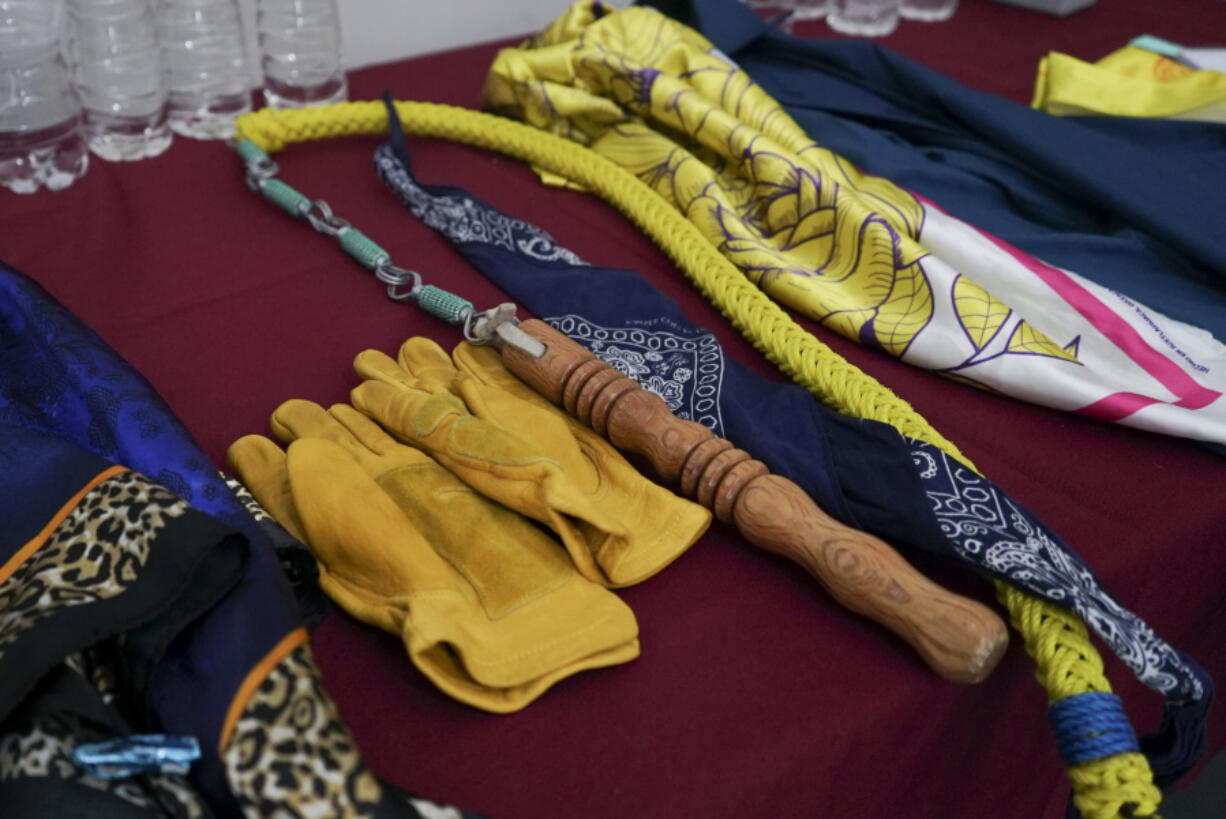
column 395, row 278
column 321, row 217
column 497, row 326
column 258, row 170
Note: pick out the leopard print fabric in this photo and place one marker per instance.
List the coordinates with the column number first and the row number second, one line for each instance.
column 97, row 664
column 95, row 553
column 291, row 756
column 45, row 751
column 433, row 810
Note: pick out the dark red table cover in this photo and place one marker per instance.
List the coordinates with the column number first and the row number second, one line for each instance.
column 755, row 694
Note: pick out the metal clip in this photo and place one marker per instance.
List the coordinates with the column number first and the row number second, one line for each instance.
column 259, row 171
column 517, row 338
column 321, row 217
column 498, row 326
column 138, row 754
column 395, row 278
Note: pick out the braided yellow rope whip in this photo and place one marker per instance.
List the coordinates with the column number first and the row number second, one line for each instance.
column 1066, row 662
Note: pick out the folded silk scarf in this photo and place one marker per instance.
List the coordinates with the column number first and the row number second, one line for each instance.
column 860, row 471
column 855, row 252
column 1131, row 82
column 125, row 608
column 1128, row 203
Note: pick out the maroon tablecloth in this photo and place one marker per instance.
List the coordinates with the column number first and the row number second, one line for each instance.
column 755, row 693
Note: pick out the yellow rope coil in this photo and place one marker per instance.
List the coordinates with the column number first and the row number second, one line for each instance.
column 1066, row 662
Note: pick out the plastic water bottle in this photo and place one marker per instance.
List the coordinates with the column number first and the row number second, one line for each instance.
column 864, row 18
column 205, row 61
column 40, row 138
column 117, row 73
column 928, row 11
column 300, row 52
column 810, row 9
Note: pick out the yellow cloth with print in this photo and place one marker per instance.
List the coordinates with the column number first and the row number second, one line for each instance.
column 1130, row 82
column 489, row 608
column 801, row 222
column 498, row 435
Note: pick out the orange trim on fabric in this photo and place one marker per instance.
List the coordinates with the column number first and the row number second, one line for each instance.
column 38, row 540
column 253, row 679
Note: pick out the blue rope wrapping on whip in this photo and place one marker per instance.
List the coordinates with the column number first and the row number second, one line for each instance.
column 1090, row 726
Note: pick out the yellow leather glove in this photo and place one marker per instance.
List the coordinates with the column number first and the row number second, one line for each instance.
column 260, row 466
column 516, row 447
column 487, row 605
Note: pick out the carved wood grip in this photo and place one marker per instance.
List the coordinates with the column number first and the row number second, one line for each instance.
column 959, row 638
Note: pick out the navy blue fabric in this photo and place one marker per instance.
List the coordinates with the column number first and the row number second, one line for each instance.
column 59, row 379
column 862, row 472
column 42, row 491
column 1130, row 204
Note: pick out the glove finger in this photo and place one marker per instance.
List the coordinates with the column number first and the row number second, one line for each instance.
column 356, row 530
column 403, row 413
column 260, row 465
column 484, row 363
column 498, row 464
column 495, row 394
column 297, row 419
column 660, row 525
column 424, row 359
column 372, row 436
column 377, row 366
column 440, row 424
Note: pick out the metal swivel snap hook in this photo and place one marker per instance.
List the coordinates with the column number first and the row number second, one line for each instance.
column 498, row 326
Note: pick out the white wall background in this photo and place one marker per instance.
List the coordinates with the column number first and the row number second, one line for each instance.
column 376, row 31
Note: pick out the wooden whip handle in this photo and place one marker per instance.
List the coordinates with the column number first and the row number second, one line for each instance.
column 960, row 639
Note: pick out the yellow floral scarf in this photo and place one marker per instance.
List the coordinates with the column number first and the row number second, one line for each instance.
column 849, row 250
column 800, row 221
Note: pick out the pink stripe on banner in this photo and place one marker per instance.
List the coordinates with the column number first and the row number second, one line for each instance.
column 1192, row 395
column 1117, row 406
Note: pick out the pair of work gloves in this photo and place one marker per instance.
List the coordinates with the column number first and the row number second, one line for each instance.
column 418, row 502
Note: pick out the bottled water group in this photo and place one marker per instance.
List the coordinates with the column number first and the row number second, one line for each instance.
column 205, row 66
column 857, row 18
column 300, row 51
column 112, row 48
column 40, row 133
column 119, row 76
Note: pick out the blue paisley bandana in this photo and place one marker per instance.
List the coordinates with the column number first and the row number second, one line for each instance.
column 862, row 472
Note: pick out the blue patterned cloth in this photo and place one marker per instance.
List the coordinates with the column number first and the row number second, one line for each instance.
column 862, row 472
column 59, row 379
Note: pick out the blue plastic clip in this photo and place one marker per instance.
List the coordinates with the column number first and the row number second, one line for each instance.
column 138, row 754
column 1157, row 45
